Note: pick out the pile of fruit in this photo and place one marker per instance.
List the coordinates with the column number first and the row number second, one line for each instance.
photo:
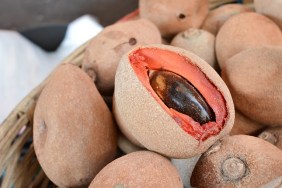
column 172, row 95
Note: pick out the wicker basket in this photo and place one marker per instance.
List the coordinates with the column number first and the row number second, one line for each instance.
column 18, row 164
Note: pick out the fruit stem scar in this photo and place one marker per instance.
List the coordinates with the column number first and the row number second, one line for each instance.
column 233, row 169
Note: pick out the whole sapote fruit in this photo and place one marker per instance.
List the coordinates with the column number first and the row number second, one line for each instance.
column 198, row 41
column 74, row 133
column 243, row 31
column 172, row 17
column 170, row 101
column 238, row 161
column 104, row 51
column 254, row 79
column 217, row 17
column 138, row 169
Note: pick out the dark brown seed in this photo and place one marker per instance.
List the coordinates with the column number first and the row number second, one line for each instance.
column 179, row 94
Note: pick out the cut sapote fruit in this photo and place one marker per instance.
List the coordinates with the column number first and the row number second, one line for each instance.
column 170, row 101
column 238, row 161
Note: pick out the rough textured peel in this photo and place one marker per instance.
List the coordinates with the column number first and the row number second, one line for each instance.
column 145, row 120
column 139, row 169
column 254, row 79
column 216, row 18
column 238, row 161
column 74, row 133
column 243, row 31
column 172, row 17
column 198, row 41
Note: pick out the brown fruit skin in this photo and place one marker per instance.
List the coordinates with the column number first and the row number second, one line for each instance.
column 244, row 125
column 197, row 41
column 74, row 133
column 243, row 31
column 144, row 121
column 271, row 9
column 254, row 79
column 105, row 50
column 139, row 169
column 217, row 17
column 272, row 135
column 261, row 162
column 166, row 14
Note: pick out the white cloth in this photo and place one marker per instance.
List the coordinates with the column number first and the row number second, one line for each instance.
column 23, row 65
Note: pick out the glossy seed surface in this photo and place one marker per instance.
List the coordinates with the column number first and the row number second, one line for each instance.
column 179, row 94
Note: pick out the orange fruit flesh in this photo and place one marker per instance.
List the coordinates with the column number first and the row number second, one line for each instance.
column 144, row 59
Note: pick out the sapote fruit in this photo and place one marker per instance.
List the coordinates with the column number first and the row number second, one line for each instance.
column 172, row 17
column 271, row 9
column 238, row 161
column 245, row 125
column 254, row 79
column 217, row 17
column 171, row 101
column 243, row 31
column 74, row 133
column 104, row 51
column 198, row 41
column 138, row 169
column 272, row 135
